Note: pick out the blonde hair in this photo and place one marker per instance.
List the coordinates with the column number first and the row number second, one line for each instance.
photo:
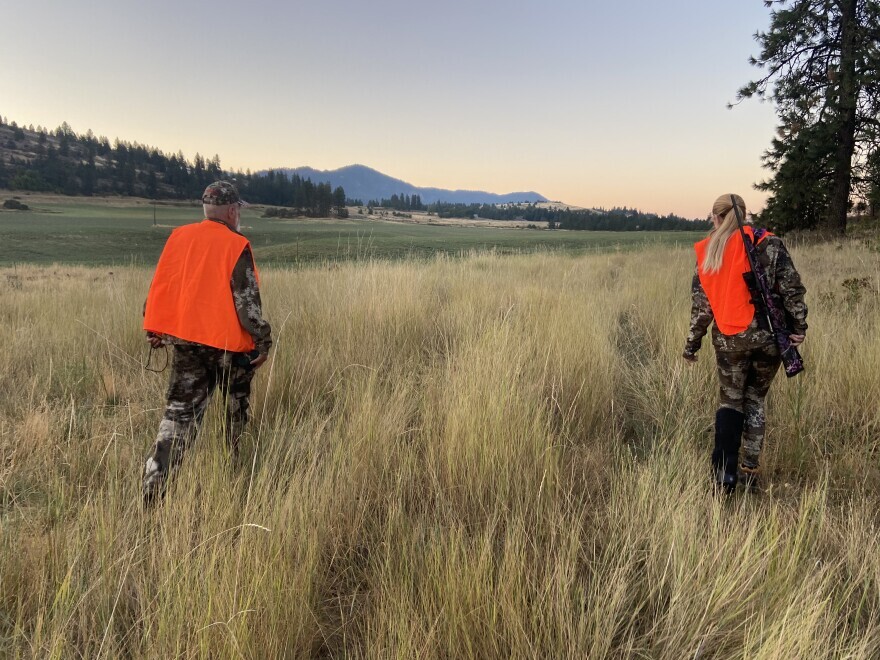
column 719, row 236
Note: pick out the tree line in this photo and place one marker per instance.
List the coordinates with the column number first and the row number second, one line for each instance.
column 401, row 202
column 617, row 219
column 62, row 161
column 559, row 217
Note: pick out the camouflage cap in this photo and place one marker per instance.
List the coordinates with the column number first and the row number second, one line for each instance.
column 222, row 193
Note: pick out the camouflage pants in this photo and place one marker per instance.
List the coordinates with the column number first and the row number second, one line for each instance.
column 196, row 372
column 745, row 377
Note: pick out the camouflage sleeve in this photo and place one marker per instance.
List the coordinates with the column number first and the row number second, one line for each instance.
column 701, row 317
column 246, row 294
column 791, row 290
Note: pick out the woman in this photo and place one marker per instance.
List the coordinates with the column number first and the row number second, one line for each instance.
column 746, row 354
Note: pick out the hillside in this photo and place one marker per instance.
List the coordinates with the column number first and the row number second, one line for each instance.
column 364, row 183
column 62, row 161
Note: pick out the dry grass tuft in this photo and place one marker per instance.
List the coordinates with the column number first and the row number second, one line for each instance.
column 484, row 457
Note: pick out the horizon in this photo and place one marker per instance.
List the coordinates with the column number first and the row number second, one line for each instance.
column 574, row 101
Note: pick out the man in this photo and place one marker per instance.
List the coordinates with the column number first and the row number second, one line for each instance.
column 204, row 302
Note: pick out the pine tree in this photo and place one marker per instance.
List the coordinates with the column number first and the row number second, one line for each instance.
column 339, row 197
column 821, row 65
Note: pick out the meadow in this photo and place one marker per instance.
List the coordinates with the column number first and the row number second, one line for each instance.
column 487, row 456
column 120, row 231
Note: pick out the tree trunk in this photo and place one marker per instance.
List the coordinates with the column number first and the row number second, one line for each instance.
column 838, row 208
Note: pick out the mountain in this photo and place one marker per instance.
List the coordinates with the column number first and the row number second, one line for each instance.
column 62, row 161
column 364, row 183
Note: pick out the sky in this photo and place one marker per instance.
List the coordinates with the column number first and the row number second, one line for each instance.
column 592, row 103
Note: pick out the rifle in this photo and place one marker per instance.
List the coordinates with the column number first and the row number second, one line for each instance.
column 771, row 316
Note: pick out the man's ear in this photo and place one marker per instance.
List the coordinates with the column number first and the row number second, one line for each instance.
column 230, row 214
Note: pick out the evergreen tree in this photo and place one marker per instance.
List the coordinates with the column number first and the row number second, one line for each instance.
column 801, row 187
column 339, row 197
column 215, row 172
column 152, row 185
column 872, row 195
column 821, row 65
column 89, row 175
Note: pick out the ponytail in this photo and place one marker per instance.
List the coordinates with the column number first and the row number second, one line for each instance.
column 719, row 236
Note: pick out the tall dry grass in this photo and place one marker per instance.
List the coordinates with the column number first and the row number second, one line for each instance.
column 483, row 457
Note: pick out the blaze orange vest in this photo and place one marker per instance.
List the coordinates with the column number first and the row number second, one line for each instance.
column 191, row 294
column 726, row 290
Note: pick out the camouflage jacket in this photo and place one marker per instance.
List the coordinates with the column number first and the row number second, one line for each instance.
column 783, row 279
column 248, row 305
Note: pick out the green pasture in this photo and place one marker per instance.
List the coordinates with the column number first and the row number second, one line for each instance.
column 108, row 232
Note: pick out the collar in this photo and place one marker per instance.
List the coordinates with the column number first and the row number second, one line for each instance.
column 220, row 222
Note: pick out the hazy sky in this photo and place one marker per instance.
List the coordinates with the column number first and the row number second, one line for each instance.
column 607, row 103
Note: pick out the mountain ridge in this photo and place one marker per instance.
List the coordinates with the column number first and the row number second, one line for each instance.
column 366, row 183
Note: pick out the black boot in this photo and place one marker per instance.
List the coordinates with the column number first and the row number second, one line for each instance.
column 725, row 456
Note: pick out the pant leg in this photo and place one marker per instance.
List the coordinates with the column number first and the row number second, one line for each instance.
column 193, row 378
column 765, row 364
column 236, row 388
column 733, row 369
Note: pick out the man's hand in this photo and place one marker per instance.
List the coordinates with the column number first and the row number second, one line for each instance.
column 796, row 340
column 155, row 340
column 690, row 358
column 260, row 360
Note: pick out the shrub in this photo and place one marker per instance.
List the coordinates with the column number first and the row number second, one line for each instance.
column 15, row 205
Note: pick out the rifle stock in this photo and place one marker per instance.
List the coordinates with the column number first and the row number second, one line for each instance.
column 771, row 316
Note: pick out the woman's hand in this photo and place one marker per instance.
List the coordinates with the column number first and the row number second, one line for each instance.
column 796, row 340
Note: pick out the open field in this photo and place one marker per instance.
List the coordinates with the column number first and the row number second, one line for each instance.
column 120, row 231
column 450, row 458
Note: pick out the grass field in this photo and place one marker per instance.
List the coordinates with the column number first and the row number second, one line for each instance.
column 120, row 232
column 481, row 457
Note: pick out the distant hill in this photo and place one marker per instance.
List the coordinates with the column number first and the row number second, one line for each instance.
column 365, row 183
column 62, row 161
